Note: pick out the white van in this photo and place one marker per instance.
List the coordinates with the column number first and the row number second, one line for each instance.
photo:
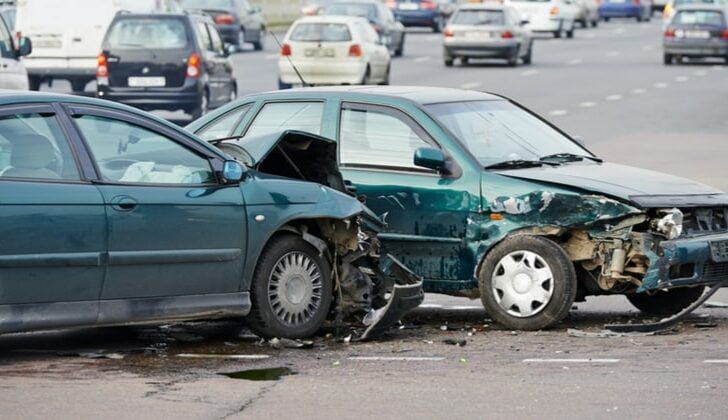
column 12, row 72
column 67, row 35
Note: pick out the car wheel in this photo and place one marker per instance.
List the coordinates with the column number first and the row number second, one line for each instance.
column 639, row 18
column 203, row 107
column 438, row 25
column 449, row 61
column 606, row 19
column 282, row 85
column 464, row 61
column 513, row 58
column 400, row 50
column 529, row 54
column 595, row 23
column 233, row 93
column 291, row 291
column 78, row 85
column 260, row 43
column 559, row 32
column 667, row 59
column 34, row 82
column 386, row 75
column 666, row 302
column 570, row 32
column 367, row 79
column 583, row 23
column 527, row 282
column 241, row 38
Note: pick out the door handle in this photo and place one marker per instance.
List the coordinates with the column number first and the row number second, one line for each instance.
column 123, row 203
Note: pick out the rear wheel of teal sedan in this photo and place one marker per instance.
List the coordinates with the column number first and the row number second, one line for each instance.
column 527, row 283
column 666, row 302
column 292, row 291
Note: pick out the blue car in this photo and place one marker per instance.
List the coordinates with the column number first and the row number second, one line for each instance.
column 418, row 13
column 639, row 9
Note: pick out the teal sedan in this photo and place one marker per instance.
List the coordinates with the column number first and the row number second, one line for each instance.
column 109, row 215
column 483, row 198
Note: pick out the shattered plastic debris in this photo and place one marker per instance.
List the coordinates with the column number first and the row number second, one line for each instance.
column 223, row 356
column 573, row 332
column 280, row 343
column 715, row 304
column 455, row 342
column 705, row 325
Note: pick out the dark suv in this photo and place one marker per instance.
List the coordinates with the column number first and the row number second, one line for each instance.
column 165, row 62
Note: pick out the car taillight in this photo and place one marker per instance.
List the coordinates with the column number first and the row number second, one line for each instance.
column 193, row 65
column 391, row 4
column 506, row 34
column 102, row 70
column 355, row 50
column 554, row 11
column 224, row 19
column 669, row 33
column 285, row 50
column 428, row 5
column 448, row 33
column 636, row 2
column 724, row 34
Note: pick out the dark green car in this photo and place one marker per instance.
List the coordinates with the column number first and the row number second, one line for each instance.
column 484, row 198
column 109, row 215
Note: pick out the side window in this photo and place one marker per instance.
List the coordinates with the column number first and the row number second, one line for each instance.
column 128, row 153
column 203, row 37
column 217, row 44
column 34, row 146
column 279, row 116
column 378, row 138
column 6, row 42
column 225, row 125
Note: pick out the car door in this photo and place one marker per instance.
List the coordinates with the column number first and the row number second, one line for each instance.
column 173, row 229
column 52, row 223
column 12, row 71
column 208, row 62
column 223, row 70
column 427, row 214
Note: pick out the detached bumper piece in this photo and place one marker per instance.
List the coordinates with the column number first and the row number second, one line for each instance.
column 406, row 295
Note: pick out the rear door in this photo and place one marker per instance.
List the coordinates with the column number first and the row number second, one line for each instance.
column 173, row 229
column 52, row 223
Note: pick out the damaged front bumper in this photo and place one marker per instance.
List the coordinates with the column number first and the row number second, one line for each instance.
column 692, row 261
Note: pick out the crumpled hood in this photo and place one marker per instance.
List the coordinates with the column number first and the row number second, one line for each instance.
column 640, row 186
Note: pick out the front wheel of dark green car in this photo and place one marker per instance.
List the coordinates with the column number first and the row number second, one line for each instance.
column 291, row 291
column 666, row 302
column 527, row 283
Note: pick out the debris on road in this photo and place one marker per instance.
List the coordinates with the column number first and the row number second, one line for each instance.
column 223, row 356
column 715, row 305
column 455, row 342
column 280, row 343
column 573, row 332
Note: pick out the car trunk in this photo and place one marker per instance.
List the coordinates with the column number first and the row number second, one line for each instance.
column 147, row 67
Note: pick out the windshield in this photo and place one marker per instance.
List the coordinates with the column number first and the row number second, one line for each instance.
column 479, row 17
column 318, row 32
column 498, row 131
column 698, row 17
column 148, row 33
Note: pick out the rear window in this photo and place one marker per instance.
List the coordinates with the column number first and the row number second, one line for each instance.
column 479, row 17
column 148, row 33
column 321, row 32
column 684, row 2
column 368, row 11
column 698, row 17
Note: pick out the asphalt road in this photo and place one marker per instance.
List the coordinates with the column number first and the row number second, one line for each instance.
column 609, row 86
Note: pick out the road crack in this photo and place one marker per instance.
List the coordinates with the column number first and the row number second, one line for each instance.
column 262, row 393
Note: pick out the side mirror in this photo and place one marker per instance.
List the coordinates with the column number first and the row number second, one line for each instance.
column 431, row 158
column 525, row 22
column 232, row 171
column 25, row 47
column 230, row 48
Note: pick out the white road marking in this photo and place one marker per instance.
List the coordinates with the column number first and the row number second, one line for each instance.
column 588, row 104
column 661, row 85
column 271, row 56
column 716, row 361
column 614, row 54
column 396, row 359
column 682, row 79
column 700, row 73
column 638, row 91
column 570, row 360
column 470, row 85
column 224, row 356
column 529, row 72
column 613, row 97
column 558, row 112
column 422, row 59
column 575, row 61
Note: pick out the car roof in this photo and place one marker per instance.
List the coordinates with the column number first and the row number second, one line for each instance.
column 329, row 19
column 418, row 94
column 482, row 6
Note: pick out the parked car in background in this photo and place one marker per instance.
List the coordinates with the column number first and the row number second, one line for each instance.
column 67, row 36
column 557, row 17
column 332, row 50
column 418, row 13
column 587, row 13
column 165, row 61
column 237, row 20
column 12, row 71
column 390, row 30
column 669, row 10
column 638, row 9
column 484, row 198
column 696, row 31
column 487, row 31
column 112, row 216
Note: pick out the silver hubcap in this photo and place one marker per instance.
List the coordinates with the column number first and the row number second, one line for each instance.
column 522, row 283
column 295, row 288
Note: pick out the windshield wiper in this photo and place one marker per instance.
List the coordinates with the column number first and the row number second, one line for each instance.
column 570, row 157
column 520, row 163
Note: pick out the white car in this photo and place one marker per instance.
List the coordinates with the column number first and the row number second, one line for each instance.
column 12, row 71
column 669, row 10
column 587, row 12
column 549, row 16
column 332, row 50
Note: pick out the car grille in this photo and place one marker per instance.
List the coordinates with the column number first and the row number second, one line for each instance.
column 704, row 220
column 715, row 271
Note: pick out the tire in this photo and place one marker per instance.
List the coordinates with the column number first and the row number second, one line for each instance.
column 203, row 107
column 400, row 50
column 34, row 82
column 570, row 32
column 438, row 25
column 233, row 93
column 386, row 75
column 291, row 291
column 583, row 23
column 667, row 59
column 282, row 85
column 639, row 18
column 259, row 45
column 464, row 61
column 78, row 85
column 241, row 38
column 557, row 33
column 514, row 264
column 513, row 59
column 449, row 61
column 666, row 302
column 606, row 19
column 595, row 23
column 527, row 58
column 367, row 78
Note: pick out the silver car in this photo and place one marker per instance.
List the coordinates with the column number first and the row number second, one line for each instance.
column 487, row 31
